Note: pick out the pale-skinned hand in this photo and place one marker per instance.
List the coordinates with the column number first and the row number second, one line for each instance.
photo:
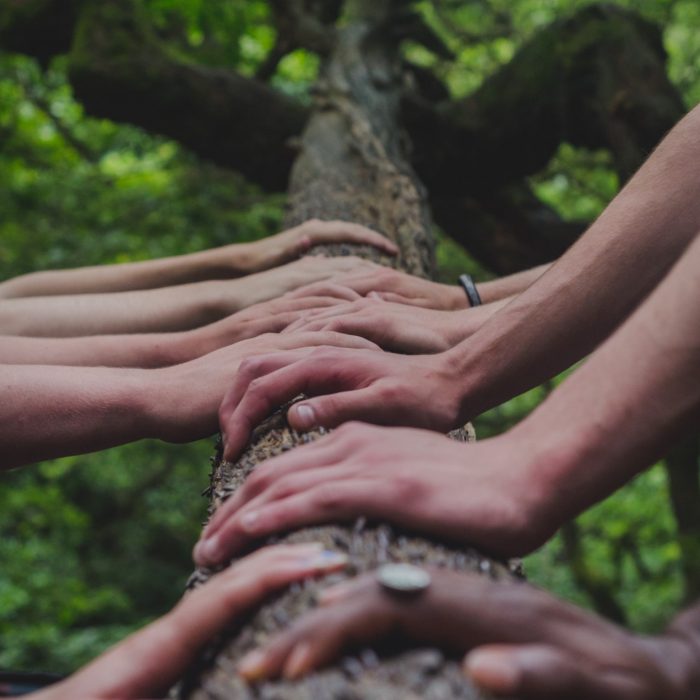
column 471, row 494
column 271, row 316
column 520, row 642
column 149, row 662
column 395, row 286
column 421, row 391
column 184, row 400
column 394, row 327
column 294, row 242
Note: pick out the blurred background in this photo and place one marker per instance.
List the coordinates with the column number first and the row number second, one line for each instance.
column 93, row 547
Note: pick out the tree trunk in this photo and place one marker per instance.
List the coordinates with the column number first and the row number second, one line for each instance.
column 351, row 166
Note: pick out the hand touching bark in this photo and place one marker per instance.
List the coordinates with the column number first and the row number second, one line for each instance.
column 188, row 396
column 422, row 391
column 148, row 663
column 395, row 327
column 398, row 287
column 417, row 479
column 294, row 242
column 521, row 641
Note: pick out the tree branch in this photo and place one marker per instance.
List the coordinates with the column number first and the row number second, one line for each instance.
column 596, row 80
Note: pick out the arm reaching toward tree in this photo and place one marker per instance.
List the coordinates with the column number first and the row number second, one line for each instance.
column 507, row 494
column 398, row 327
column 559, row 319
column 150, row 350
column 53, row 411
column 520, row 642
column 166, row 309
column 148, row 663
column 225, row 262
column 401, row 288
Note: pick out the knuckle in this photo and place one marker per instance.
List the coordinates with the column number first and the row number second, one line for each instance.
column 327, row 497
column 249, row 367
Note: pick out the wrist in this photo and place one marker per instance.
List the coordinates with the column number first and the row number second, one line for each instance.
column 455, row 298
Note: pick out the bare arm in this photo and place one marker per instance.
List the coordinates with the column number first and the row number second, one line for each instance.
column 612, row 418
column 150, row 350
column 504, row 287
column 571, row 308
column 53, row 411
column 162, row 310
column 217, row 263
column 399, row 328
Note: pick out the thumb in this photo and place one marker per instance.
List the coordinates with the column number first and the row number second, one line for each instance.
column 539, row 672
column 332, row 410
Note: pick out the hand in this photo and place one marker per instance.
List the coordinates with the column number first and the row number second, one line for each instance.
column 398, row 287
column 183, row 400
column 525, row 643
column 477, row 494
column 273, row 283
column 377, row 387
column 148, row 663
column 394, row 327
column 294, row 242
column 270, row 316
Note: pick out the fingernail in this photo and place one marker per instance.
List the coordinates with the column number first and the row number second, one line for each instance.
column 248, row 521
column 298, row 661
column 327, row 559
column 253, row 665
column 305, row 416
column 493, row 671
column 207, row 551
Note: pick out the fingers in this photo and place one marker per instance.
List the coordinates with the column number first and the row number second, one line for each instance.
column 540, row 672
column 395, row 298
column 261, row 386
column 328, row 288
column 345, row 232
column 321, row 636
column 319, row 503
column 321, row 453
column 147, row 663
column 331, row 410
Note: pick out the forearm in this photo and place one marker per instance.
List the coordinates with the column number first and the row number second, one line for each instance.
column 49, row 412
column 495, row 290
column 625, row 406
column 159, row 310
column 220, row 263
column 460, row 325
column 575, row 305
column 141, row 350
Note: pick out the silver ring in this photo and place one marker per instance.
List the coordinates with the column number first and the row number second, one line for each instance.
column 403, row 579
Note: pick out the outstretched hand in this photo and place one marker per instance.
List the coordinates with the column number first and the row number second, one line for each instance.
column 394, row 327
column 184, row 399
column 345, row 384
column 477, row 494
column 294, row 242
column 148, row 663
column 521, row 641
column 395, row 286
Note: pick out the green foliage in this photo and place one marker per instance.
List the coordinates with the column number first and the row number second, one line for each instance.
column 95, row 546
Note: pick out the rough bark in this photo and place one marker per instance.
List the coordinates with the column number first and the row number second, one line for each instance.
column 351, row 165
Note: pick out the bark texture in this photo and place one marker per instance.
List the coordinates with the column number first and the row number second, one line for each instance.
column 351, row 165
